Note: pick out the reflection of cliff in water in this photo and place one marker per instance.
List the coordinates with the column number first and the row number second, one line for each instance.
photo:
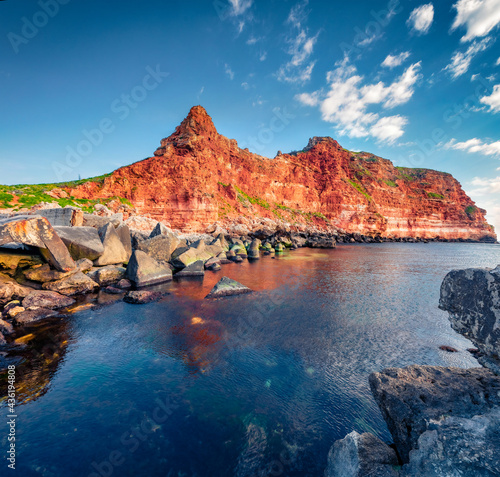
column 37, row 357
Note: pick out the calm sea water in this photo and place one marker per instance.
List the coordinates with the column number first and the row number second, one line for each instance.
column 258, row 384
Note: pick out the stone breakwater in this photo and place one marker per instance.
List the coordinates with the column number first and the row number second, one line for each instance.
column 444, row 421
column 51, row 258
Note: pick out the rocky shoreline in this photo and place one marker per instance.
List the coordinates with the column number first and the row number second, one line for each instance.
column 444, row 421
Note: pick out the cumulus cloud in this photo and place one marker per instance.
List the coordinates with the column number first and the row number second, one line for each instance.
column 475, row 145
column 347, row 101
column 493, row 100
column 478, row 17
column 421, row 19
column 498, row 62
column 461, row 60
column 393, row 61
column 301, row 46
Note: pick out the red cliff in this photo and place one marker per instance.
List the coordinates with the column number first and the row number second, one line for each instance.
column 197, row 177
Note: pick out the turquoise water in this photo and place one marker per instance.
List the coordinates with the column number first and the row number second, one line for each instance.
column 253, row 385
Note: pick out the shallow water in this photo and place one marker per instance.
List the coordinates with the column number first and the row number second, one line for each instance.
column 258, row 384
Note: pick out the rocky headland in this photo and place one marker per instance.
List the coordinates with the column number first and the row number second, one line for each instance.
column 444, row 421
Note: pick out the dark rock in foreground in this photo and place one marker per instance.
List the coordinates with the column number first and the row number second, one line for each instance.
column 30, row 316
column 47, row 299
column 227, row 287
column 472, row 299
column 410, row 398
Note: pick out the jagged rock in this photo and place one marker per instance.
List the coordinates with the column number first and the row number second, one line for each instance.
column 222, row 258
column 227, row 287
column 160, row 229
column 213, row 264
column 37, row 232
column 10, row 289
column 458, row 446
column 84, row 265
column 160, row 247
column 47, row 299
column 472, row 299
column 98, row 222
column 45, row 274
column 30, row 316
column 141, row 297
column 194, row 269
column 411, row 397
column 361, row 455
column 107, row 275
column 144, row 270
column 67, row 216
column 123, row 233
column 78, row 283
column 114, row 251
column 82, row 242
column 196, row 252
column 5, row 327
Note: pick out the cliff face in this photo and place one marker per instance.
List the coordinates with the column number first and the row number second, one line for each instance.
column 197, row 177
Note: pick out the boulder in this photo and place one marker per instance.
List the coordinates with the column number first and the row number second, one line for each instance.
column 47, row 299
column 30, row 316
column 11, row 260
column 213, row 262
column 194, row 269
column 160, row 229
column 253, row 249
column 361, row 455
column 78, row 283
column 82, row 242
column 222, row 242
column 141, row 297
column 144, row 270
column 458, row 446
column 15, row 310
column 321, row 241
column 66, row 217
column 160, row 247
column 198, row 251
column 107, row 275
column 409, row 398
column 279, row 248
column 123, row 233
column 45, row 274
column 227, row 287
column 3, row 342
column 124, row 284
column 10, row 289
column 37, row 232
column 114, row 251
column 222, row 258
column 98, row 222
column 84, row 265
column 472, row 299
column 114, row 290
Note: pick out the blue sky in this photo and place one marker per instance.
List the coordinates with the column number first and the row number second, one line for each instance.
column 86, row 87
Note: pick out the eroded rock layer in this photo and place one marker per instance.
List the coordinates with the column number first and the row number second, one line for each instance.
column 197, row 177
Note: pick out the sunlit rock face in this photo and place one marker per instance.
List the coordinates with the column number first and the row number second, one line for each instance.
column 198, row 177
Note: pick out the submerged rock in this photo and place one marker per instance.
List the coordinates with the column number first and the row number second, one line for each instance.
column 227, row 287
column 361, row 455
column 141, row 297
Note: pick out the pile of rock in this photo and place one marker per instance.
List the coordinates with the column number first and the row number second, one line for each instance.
column 444, row 421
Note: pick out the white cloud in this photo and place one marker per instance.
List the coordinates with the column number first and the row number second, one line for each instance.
column 238, row 7
column 498, row 62
column 478, row 17
column 229, row 71
column 460, row 61
column 252, row 40
column 301, row 46
column 393, row 61
column 475, row 145
column 493, row 100
column 347, row 102
column 486, row 185
column 263, row 56
column 421, row 19
column 245, row 85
